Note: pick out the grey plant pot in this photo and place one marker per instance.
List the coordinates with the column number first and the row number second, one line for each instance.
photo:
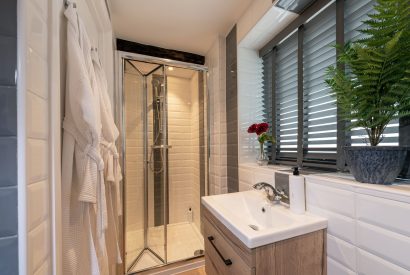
column 377, row 164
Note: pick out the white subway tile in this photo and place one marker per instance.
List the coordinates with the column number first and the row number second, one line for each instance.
column 38, row 246
column 335, row 268
column 344, row 252
column 38, row 203
column 37, row 117
column 370, row 209
column 386, row 244
column 368, row 263
column 37, row 160
column 37, row 80
column 36, row 31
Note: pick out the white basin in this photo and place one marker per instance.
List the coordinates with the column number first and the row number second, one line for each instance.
column 241, row 211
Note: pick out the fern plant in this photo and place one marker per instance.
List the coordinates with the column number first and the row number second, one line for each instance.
column 372, row 82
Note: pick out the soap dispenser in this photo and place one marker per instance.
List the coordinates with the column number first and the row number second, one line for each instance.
column 297, row 192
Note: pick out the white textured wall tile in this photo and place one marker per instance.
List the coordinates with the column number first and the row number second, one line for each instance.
column 38, row 195
column 338, row 225
column 250, row 101
column 38, row 246
column 337, row 200
column 37, row 117
column 370, row 264
column 344, row 252
column 335, row 268
column 36, row 31
column 384, row 243
column 370, row 209
column 36, row 73
column 37, row 159
column 45, row 268
column 215, row 61
column 373, row 241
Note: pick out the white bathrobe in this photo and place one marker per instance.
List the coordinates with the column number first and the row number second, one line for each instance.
column 83, row 190
column 112, row 170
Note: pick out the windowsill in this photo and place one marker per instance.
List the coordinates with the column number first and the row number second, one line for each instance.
column 399, row 190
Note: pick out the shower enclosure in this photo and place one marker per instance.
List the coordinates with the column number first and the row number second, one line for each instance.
column 163, row 120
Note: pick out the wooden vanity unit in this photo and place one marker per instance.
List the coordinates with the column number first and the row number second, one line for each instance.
column 225, row 254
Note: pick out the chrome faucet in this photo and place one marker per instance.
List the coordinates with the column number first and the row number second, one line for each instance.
column 273, row 194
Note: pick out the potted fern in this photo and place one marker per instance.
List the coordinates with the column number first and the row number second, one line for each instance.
column 372, row 87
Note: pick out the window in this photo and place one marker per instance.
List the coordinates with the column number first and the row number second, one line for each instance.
column 354, row 13
column 297, row 101
column 320, row 112
column 286, row 109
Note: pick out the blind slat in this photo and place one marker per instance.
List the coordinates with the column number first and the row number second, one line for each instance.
column 319, row 106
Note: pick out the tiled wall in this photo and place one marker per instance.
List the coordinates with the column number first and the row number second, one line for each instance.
column 250, row 102
column 8, row 139
column 195, row 143
column 38, row 139
column 232, row 111
column 183, row 156
column 215, row 61
column 368, row 226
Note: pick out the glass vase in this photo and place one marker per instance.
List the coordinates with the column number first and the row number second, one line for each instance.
column 262, row 159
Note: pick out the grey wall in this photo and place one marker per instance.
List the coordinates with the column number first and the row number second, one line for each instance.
column 8, row 138
column 232, row 112
column 404, row 140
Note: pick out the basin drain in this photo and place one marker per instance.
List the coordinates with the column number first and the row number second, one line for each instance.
column 254, row 227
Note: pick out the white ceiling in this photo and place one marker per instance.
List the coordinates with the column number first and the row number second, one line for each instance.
column 185, row 25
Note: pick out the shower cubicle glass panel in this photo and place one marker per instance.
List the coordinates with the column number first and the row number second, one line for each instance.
column 165, row 158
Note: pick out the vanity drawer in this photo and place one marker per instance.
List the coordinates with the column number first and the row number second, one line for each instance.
column 220, row 254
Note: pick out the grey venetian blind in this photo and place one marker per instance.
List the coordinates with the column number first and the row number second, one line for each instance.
column 286, row 85
column 320, row 112
column 267, row 83
column 354, row 15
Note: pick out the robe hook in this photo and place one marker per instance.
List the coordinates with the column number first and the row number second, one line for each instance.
column 67, row 3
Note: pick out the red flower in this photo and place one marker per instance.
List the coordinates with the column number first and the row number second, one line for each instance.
column 262, row 128
column 253, row 128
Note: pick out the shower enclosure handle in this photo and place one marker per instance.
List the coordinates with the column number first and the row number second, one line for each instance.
column 226, row 261
column 161, row 146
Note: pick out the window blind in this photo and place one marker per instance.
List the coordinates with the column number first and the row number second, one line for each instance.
column 320, row 111
column 319, row 128
column 354, row 15
column 267, row 82
column 286, row 109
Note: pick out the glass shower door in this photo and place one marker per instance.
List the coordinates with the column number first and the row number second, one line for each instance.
column 165, row 143
column 133, row 117
column 146, row 173
column 157, row 154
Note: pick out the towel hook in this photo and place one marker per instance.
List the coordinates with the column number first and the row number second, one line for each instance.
column 68, row 2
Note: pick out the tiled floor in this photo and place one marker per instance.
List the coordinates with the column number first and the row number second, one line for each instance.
column 183, row 240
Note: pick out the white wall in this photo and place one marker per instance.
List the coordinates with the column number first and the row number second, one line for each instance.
column 195, row 142
column 252, row 15
column 41, row 54
column 250, row 102
column 368, row 225
column 260, row 23
column 216, row 63
column 35, row 142
column 181, row 155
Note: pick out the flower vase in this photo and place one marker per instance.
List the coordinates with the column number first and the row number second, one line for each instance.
column 262, row 159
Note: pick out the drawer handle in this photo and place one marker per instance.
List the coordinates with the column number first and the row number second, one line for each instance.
column 226, row 261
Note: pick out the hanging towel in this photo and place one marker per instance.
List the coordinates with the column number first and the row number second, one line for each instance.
column 112, row 171
column 83, row 191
